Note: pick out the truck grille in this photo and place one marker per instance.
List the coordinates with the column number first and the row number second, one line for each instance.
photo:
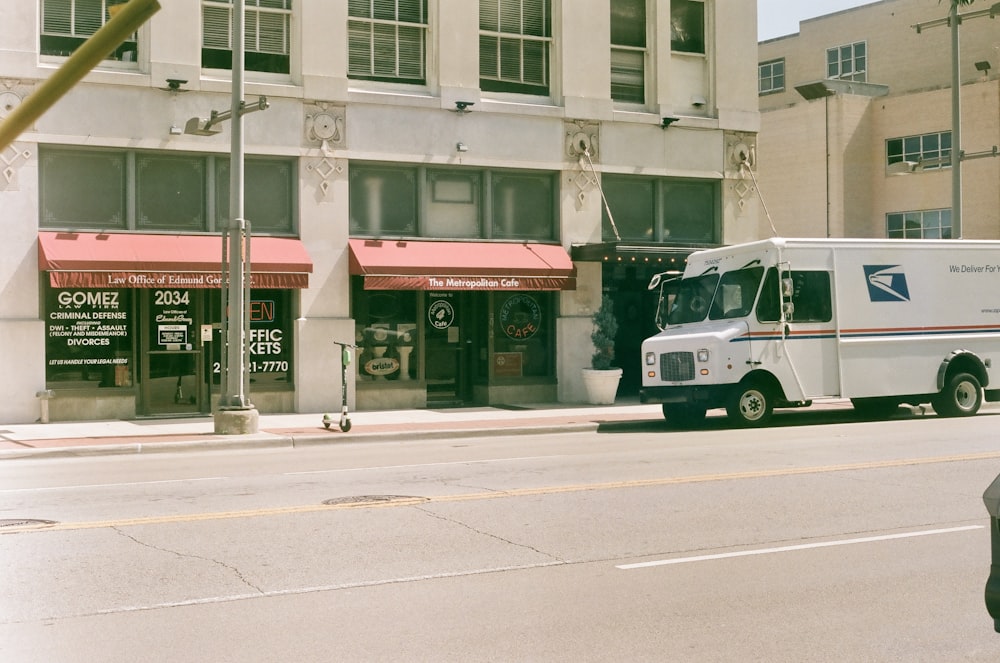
column 676, row 366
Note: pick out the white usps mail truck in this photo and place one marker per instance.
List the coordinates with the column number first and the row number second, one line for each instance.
column 780, row 322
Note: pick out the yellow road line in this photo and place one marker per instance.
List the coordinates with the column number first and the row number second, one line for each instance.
column 492, row 495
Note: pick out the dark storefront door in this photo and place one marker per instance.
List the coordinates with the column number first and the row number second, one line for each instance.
column 172, row 374
column 448, row 347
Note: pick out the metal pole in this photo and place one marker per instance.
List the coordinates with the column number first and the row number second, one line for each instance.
column 235, row 396
column 85, row 58
column 954, row 20
column 236, row 412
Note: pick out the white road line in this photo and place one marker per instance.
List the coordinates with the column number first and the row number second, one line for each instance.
column 296, row 591
column 804, row 546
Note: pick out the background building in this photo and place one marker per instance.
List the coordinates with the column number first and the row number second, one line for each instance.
column 857, row 91
column 428, row 182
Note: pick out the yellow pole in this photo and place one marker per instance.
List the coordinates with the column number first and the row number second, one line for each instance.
column 97, row 47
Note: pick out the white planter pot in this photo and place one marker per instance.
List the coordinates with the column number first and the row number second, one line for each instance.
column 602, row 386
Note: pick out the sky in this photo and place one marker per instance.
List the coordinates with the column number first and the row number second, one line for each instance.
column 781, row 17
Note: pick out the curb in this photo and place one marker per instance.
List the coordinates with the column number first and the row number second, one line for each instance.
column 280, row 441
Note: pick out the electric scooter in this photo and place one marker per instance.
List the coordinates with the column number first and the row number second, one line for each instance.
column 345, row 361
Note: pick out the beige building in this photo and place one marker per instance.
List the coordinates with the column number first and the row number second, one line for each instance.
column 428, row 182
column 852, row 96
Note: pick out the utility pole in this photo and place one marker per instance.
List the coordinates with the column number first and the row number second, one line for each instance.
column 954, row 21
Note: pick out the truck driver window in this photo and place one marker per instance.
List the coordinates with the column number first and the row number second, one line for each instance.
column 810, row 295
column 736, row 293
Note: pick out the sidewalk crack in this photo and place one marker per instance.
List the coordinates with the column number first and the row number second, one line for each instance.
column 217, row 562
column 489, row 534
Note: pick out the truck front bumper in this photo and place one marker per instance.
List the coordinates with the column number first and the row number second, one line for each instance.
column 709, row 396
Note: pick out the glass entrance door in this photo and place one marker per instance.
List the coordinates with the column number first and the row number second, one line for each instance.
column 172, row 373
column 447, row 348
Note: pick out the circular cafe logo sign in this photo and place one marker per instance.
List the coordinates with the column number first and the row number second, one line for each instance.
column 520, row 317
column 441, row 314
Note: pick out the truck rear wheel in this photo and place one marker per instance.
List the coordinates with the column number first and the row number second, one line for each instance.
column 962, row 396
column 750, row 405
column 683, row 415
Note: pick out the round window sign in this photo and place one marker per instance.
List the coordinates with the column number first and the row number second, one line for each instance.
column 520, row 317
column 441, row 314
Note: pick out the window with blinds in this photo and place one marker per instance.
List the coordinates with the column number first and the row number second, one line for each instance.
column 514, row 40
column 66, row 24
column 387, row 40
column 628, row 51
column 267, row 39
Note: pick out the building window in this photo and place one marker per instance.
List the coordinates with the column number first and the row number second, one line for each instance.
column 170, row 192
column 514, row 39
column 922, row 224
column 267, row 194
column 387, row 40
column 131, row 190
column 628, row 51
column 932, row 150
column 266, row 37
column 849, row 63
column 447, row 203
column 771, row 76
column 662, row 209
column 687, row 26
column 66, row 24
column 81, row 189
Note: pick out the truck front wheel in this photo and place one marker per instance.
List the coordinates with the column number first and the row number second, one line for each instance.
column 750, row 405
column 961, row 397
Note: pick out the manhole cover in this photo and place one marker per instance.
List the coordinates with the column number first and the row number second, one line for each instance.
column 25, row 522
column 372, row 499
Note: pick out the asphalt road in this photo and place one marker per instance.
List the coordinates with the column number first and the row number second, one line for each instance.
column 825, row 538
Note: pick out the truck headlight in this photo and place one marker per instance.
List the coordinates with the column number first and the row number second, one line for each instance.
column 650, row 358
column 703, row 355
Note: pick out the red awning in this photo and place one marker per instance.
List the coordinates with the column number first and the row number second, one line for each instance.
column 121, row 260
column 419, row 265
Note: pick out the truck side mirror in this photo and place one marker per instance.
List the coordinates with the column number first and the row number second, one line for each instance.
column 787, row 288
column 992, row 500
column 788, row 309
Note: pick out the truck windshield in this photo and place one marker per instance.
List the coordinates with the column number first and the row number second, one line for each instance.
column 688, row 300
column 736, row 293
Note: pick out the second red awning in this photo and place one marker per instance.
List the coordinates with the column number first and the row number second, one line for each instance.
column 430, row 265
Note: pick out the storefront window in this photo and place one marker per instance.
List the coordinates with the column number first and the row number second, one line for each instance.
column 522, row 342
column 88, row 340
column 386, row 333
column 270, row 338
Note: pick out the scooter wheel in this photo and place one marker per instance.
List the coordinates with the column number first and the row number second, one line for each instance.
column 345, row 425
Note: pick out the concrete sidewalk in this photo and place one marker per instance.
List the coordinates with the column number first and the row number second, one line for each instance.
column 295, row 430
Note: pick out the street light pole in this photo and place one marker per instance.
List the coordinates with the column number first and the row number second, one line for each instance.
column 956, row 123
column 236, row 415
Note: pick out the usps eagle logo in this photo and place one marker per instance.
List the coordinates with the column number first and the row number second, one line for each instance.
column 886, row 283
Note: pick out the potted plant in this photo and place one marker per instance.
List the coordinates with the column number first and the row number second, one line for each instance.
column 601, row 379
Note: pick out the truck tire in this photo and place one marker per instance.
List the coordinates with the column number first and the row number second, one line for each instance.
column 683, row 415
column 750, row 405
column 962, row 396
